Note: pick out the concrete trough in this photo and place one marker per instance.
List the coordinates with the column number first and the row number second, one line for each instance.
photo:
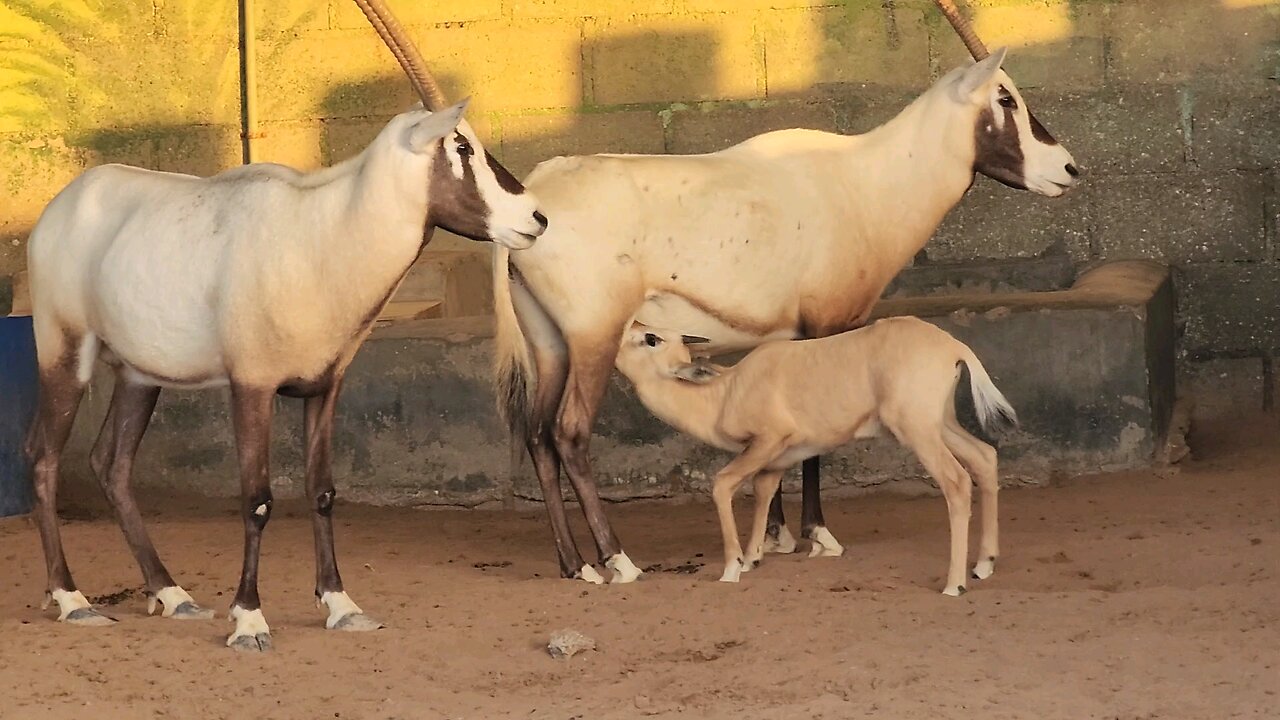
column 1090, row 369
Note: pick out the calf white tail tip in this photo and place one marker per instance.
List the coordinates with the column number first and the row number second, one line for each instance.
column 624, row 571
column 784, row 544
column 824, row 544
column 591, row 575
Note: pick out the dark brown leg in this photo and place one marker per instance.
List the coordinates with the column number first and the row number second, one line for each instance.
column 344, row 614
column 589, row 371
column 546, row 464
column 112, row 460
column 251, row 416
column 59, row 398
column 812, row 526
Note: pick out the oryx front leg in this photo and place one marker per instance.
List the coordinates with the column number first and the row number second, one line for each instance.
column 251, row 415
column 344, row 614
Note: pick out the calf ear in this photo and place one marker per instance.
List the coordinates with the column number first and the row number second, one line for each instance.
column 431, row 128
column 697, row 373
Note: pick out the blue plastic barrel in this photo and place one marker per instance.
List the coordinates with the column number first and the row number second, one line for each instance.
column 17, row 403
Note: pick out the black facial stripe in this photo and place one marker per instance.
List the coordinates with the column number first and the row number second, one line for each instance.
column 505, row 179
column 1039, row 132
column 456, row 204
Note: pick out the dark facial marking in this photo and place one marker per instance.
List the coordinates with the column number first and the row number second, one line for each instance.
column 456, row 204
column 999, row 154
column 1039, row 132
column 505, row 179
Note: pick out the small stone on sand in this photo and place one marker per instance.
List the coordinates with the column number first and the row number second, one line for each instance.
column 567, row 643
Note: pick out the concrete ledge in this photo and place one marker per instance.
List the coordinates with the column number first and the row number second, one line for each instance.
column 1089, row 369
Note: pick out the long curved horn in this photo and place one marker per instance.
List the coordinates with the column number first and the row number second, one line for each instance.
column 406, row 53
column 963, row 29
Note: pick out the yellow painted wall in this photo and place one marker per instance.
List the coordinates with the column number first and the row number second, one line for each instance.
column 156, row 83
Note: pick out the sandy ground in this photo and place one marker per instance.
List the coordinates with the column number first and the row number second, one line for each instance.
column 1129, row 596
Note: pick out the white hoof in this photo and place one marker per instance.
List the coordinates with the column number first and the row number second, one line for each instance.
column 784, row 544
column 984, row 569
column 824, row 544
column 624, row 571
column 74, row 608
column 732, row 572
column 344, row 614
column 251, row 633
column 175, row 603
column 591, row 575
column 956, row 591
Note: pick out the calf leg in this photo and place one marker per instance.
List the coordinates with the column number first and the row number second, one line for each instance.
column 112, row 462
column 344, row 614
column 956, row 488
column 752, row 460
column 981, row 461
column 59, row 398
column 251, row 416
column 766, row 485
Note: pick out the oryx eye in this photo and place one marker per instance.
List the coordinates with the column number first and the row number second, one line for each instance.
column 651, row 340
column 465, row 149
column 1006, row 100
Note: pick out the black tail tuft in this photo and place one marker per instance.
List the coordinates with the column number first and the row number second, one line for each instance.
column 967, row 408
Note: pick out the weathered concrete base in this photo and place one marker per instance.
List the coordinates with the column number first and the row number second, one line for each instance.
column 1089, row 369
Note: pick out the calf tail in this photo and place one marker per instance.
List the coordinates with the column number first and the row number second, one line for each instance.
column 980, row 406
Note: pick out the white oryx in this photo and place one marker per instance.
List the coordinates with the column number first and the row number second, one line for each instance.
column 261, row 278
column 789, row 400
column 793, row 233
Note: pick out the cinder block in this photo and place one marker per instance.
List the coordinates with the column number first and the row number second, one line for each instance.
column 1181, row 218
column 295, row 16
column 1051, row 43
column 529, row 139
column 1230, row 308
column 993, row 221
column 861, row 108
column 347, row 15
column 1223, row 388
column 587, row 8
column 859, row 43
column 296, row 144
column 32, row 170
column 351, row 74
column 712, row 127
column 205, row 20
column 666, row 58
column 1236, row 126
column 1137, row 128
column 194, row 149
column 1176, row 40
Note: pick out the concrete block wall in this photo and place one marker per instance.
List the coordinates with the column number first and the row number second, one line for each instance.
column 1171, row 106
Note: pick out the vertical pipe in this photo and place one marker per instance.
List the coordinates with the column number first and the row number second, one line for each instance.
column 248, row 83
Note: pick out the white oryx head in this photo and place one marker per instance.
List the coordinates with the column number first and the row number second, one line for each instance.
column 1010, row 144
column 470, row 193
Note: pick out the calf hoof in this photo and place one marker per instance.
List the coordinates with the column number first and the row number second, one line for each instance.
column 589, row 574
column 191, row 611
column 177, row 604
column 984, row 569
column 357, row 622
column 956, row 591
column 88, row 617
column 732, row 572
column 250, row 643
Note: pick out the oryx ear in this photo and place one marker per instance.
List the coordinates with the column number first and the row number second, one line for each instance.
column 697, row 373
column 979, row 76
column 693, row 340
column 431, row 128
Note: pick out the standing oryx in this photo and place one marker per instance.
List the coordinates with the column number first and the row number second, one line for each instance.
column 789, row 234
column 261, row 278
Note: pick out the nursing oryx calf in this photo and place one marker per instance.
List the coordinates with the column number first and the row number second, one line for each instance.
column 787, row 401
column 263, row 279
